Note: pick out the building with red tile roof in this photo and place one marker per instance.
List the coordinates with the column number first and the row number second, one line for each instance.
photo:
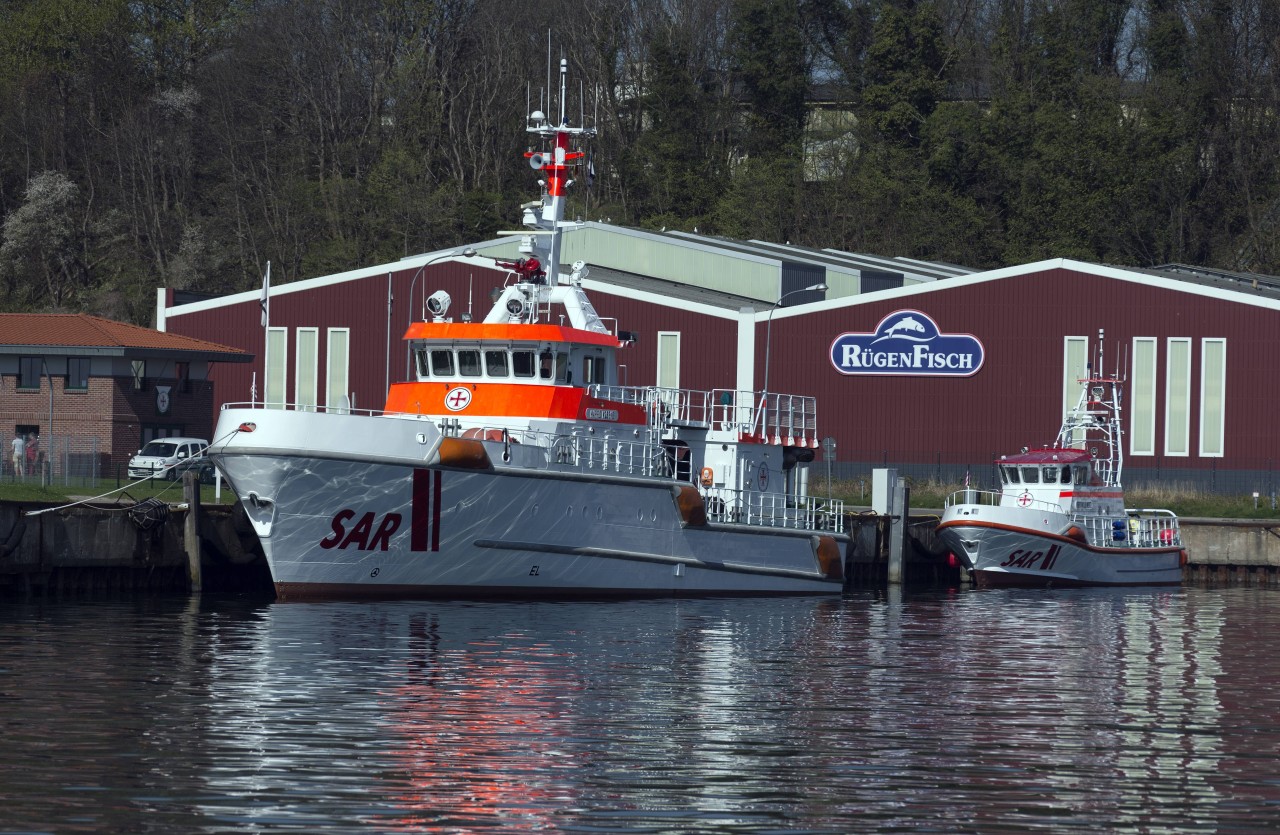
column 89, row 392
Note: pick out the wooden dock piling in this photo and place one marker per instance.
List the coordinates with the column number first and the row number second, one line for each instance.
column 191, row 528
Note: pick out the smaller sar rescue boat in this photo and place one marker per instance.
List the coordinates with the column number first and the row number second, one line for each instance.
column 1059, row 518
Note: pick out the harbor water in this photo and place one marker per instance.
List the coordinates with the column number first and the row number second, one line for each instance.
column 1151, row 710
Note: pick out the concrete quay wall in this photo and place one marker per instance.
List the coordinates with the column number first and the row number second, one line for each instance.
column 1214, row 542
column 89, row 548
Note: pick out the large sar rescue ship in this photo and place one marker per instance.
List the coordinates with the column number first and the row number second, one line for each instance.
column 513, row 463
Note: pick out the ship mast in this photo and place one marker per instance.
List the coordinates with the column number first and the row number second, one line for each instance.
column 555, row 167
column 539, row 283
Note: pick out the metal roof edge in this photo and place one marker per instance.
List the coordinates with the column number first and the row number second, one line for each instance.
column 690, row 240
column 1118, row 273
column 702, row 308
column 304, row 284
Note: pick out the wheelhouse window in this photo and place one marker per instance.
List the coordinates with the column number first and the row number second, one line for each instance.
column 1050, row 475
column 424, row 363
column 442, row 363
column 29, row 372
column 469, row 363
column 495, row 364
column 77, row 373
column 1010, row 475
column 1066, row 475
column 522, row 363
column 592, row 370
column 1030, row 475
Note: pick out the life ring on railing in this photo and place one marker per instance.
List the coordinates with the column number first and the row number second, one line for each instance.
column 707, row 476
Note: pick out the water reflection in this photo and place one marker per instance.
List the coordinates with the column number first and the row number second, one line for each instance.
column 999, row 710
column 479, row 733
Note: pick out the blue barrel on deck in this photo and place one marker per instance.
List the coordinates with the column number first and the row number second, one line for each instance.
column 1118, row 529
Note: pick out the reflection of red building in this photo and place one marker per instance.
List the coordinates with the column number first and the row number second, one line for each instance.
column 482, row 737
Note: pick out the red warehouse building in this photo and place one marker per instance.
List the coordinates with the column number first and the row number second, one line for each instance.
column 934, row 374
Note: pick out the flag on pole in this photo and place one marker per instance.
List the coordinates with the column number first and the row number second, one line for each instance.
column 265, row 302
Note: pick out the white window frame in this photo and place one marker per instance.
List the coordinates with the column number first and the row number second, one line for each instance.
column 675, row 384
column 337, row 371
column 1175, row 389
column 277, row 365
column 1142, row 410
column 1075, row 359
column 1213, row 444
column 306, row 375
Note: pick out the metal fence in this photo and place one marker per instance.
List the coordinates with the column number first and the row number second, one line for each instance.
column 60, row 460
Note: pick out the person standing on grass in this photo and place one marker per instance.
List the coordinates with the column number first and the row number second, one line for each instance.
column 33, row 450
column 19, row 455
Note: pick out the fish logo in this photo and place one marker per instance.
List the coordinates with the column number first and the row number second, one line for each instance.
column 905, row 328
column 907, row 343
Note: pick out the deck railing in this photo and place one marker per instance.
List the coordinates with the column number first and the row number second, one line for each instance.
column 775, row 510
column 787, row 419
column 993, row 498
column 1140, row 528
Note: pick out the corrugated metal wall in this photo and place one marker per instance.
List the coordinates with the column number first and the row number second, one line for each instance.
column 1014, row 400
column 377, row 331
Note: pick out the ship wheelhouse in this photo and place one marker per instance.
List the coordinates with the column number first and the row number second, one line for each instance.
column 1023, row 474
column 518, row 362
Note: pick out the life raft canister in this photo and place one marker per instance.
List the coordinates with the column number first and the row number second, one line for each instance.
column 708, row 477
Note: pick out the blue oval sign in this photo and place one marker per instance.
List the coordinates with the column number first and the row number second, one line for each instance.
column 907, row 342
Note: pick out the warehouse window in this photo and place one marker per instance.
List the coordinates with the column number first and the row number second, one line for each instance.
column 1142, row 406
column 277, row 367
column 1177, row 397
column 1213, row 397
column 336, row 365
column 1075, row 356
column 307, row 370
column 669, row 359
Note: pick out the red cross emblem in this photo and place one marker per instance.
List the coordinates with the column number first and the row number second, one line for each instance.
column 457, row 399
column 1025, row 499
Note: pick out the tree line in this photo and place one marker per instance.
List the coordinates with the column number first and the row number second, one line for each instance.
column 184, row 144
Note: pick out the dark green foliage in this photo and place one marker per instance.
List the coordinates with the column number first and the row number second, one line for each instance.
column 185, row 144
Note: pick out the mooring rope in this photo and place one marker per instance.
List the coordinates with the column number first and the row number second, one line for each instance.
column 102, row 496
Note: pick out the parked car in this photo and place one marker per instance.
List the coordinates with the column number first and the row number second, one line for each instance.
column 169, row 458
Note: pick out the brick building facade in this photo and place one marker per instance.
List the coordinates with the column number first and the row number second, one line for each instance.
column 85, row 393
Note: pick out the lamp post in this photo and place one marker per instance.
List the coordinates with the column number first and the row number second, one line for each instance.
column 768, row 333
column 466, row 253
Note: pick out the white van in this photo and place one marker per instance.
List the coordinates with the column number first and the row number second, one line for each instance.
column 171, row 457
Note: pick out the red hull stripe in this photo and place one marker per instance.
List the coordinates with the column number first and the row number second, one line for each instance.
column 425, row 520
column 1117, row 552
column 435, row 511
